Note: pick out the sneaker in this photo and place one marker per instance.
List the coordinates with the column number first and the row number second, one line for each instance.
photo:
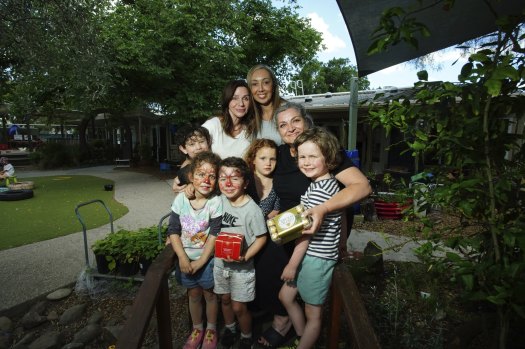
column 194, row 341
column 292, row 345
column 228, row 338
column 246, row 343
column 210, row 340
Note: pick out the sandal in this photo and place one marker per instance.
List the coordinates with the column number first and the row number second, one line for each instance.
column 274, row 338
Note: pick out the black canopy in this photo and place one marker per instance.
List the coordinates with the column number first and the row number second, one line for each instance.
column 468, row 19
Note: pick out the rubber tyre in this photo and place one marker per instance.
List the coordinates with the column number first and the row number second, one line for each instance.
column 15, row 195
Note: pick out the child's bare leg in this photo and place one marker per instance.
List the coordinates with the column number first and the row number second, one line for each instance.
column 287, row 296
column 195, row 297
column 227, row 309
column 212, row 307
column 243, row 316
column 313, row 326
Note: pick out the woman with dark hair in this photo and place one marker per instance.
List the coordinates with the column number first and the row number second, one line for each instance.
column 233, row 131
column 265, row 91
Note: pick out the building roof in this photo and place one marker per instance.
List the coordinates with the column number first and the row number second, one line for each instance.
column 341, row 100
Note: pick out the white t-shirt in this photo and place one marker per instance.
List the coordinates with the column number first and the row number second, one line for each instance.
column 269, row 131
column 224, row 145
column 9, row 170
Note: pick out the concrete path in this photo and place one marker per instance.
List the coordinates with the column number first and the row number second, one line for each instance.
column 32, row 270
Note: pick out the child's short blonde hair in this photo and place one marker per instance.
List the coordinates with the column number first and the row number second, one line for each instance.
column 327, row 143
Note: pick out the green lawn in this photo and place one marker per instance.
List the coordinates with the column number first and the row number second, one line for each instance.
column 51, row 212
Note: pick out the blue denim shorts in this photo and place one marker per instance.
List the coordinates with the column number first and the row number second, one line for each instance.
column 203, row 278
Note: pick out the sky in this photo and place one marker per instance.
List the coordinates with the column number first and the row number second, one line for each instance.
column 326, row 18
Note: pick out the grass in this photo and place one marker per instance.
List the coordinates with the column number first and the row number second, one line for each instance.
column 51, row 212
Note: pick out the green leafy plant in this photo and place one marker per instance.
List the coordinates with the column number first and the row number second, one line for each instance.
column 124, row 246
column 472, row 128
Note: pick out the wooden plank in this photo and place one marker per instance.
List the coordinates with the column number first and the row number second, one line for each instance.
column 361, row 331
column 153, row 290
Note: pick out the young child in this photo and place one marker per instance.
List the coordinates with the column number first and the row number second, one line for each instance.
column 193, row 139
column 193, row 228
column 8, row 169
column 310, row 268
column 261, row 156
column 235, row 280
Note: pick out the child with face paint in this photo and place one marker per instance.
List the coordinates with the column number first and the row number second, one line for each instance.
column 235, row 280
column 192, row 231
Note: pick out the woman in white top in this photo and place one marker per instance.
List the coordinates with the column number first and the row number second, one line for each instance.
column 265, row 90
column 232, row 132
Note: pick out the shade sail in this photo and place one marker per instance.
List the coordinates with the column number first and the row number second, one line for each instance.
column 466, row 20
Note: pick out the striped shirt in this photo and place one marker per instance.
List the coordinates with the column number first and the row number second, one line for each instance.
column 325, row 242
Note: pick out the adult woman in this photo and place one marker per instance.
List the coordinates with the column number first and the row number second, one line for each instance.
column 232, row 132
column 265, row 91
column 289, row 183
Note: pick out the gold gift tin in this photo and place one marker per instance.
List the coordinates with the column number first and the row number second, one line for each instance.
column 288, row 225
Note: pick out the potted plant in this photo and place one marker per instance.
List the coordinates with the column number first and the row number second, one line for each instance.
column 127, row 252
column 104, row 256
column 390, row 197
column 149, row 247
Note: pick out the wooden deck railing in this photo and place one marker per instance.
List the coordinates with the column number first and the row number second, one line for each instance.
column 345, row 298
column 154, row 294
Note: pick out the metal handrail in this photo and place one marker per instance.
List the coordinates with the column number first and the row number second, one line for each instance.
column 84, row 228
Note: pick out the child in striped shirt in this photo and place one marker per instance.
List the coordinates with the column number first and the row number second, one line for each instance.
column 310, row 268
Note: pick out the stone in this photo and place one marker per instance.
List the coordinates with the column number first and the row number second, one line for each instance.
column 6, row 334
column 87, row 334
column 95, row 318
column 39, row 307
column 32, row 319
column 73, row 346
column 111, row 333
column 49, row 340
column 72, row 314
column 52, row 315
column 59, row 294
column 28, row 338
column 5, row 324
column 373, row 257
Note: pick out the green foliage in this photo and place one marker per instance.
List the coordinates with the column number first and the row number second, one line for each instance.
column 334, row 76
column 473, row 129
column 126, row 246
column 57, row 155
column 408, row 305
column 397, row 25
column 51, row 212
column 171, row 56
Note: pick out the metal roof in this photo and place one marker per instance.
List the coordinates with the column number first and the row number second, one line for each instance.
column 341, row 100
